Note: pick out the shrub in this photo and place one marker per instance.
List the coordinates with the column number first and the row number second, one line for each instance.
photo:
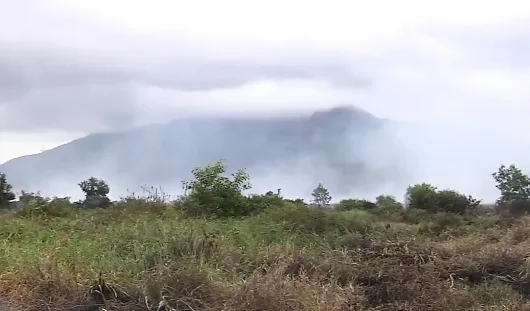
column 261, row 202
column 421, row 196
column 427, row 197
column 302, row 219
column 387, row 201
column 454, row 202
column 37, row 205
column 355, row 204
column 211, row 193
column 349, row 204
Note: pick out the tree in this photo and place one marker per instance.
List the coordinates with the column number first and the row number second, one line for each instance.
column 96, row 191
column 421, row 196
column 94, row 187
column 6, row 193
column 386, row 200
column 321, row 196
column 514, row 186
column 216, row 194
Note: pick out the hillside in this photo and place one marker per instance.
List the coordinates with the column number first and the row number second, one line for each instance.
column 335, row 146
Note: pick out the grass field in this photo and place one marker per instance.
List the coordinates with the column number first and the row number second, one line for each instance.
column 147, row 256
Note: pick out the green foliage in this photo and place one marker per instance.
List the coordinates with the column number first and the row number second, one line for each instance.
column 428, row 197
column 355, row 204
column 321, row 196
column 421, row 196
column 303, row 219
column 94, row 187
column 96, row 191
column 214, row 194
column 349, row 204
column 514, row 186
column 6, row 193
column 330, row 258
column 262, row 202
column 297, row 201
column 387, row 206
column 387, row 200
column 37, row 205
column 454, row 202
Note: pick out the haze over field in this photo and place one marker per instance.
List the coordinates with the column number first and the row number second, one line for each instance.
column 452, row 76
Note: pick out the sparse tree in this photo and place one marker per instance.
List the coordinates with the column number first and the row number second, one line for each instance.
column 514, row 186
column 96, row 191
column 6, row 193
column 321, row 196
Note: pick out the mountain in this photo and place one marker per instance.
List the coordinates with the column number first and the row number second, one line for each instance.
column 346, row 148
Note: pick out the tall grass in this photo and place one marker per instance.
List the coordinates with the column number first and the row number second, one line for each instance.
column 147, row 255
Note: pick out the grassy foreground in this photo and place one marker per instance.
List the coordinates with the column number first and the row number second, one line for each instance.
column 147, row 256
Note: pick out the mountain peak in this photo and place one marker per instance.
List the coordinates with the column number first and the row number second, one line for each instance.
column 164, row 154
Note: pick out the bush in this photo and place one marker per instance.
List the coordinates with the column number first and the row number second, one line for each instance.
column 427, row 197
column 211, row 193
column 261, row 202
column 37, row 205
column 387, row 201
column 355, row 204
column 349, row 204
column 421, row 196
column 302, row 219
column 453, row 202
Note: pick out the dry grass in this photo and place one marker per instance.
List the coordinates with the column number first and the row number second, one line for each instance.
column 291, row 258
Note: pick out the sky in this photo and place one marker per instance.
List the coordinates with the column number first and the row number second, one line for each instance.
column 69, row 68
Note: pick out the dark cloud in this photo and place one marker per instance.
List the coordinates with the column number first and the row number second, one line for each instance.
column 51, row 88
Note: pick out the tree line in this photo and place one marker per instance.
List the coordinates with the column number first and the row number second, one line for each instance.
column 213, row 192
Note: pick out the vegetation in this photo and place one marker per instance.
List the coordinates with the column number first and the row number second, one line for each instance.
column 96, row 192
column 216, row 248
column 6, row 195
column 321, row 196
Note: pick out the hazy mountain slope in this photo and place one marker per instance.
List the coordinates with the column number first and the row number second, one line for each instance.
column 344, row 147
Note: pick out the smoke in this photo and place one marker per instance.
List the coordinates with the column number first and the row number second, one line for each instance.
column 351, row 152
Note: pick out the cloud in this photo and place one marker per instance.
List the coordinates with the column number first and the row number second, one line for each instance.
column 86, row 68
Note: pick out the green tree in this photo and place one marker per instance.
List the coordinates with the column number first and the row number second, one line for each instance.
column 6, row 193
column 216, row 194
column 321, row 196
column 421, row 196
column 386, row 200
column 514, row 186
column 96, row 191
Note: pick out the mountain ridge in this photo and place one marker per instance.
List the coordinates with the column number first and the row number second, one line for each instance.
column 336, row 140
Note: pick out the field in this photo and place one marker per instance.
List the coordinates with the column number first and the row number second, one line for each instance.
column 145, row 255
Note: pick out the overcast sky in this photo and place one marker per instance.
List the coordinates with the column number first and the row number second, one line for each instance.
column 68, row 68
